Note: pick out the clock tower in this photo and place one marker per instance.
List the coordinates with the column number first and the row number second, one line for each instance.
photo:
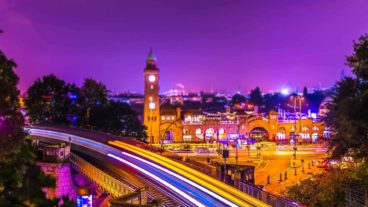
column 151, row 111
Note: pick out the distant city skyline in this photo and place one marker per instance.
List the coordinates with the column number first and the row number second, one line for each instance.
column 221, row 45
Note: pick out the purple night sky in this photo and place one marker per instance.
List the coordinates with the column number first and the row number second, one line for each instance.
column 203, row 44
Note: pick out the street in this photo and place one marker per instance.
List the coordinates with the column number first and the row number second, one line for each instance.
column 273, row 161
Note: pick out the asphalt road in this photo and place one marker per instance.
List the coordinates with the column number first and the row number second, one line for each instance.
column 273, row 161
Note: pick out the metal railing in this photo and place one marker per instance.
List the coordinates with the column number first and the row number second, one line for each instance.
column 270, row 199
column 356, row 195
column 113, row 186
column 134, row 199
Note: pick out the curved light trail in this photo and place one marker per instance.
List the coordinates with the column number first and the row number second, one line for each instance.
column 228, row 192
column 227, row 202
column 199, row 191
column 185, row 195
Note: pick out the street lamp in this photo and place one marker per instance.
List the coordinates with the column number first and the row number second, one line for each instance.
column 236, row 144
column 258, row 151
column 295, row 99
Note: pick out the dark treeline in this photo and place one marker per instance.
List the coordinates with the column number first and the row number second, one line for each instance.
column 52, row 100
column 274, row 101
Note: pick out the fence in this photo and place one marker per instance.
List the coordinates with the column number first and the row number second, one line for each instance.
column 356, row 195
column 270, row 199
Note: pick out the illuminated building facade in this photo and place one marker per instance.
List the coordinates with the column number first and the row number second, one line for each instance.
column 167, row 123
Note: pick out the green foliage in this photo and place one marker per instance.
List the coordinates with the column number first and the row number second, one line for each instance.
column 21, row 181
column 51, row 100
column 323, row 190
column 47, row 100
column 359, row 60
column 348, row 115
column 94, row 93
column 8, row 90
column 118, row 118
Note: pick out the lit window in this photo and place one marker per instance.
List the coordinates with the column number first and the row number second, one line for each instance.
column 186, row 131
column 162, row 118
column 152, row 87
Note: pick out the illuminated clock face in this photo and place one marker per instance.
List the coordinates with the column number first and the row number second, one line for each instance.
column 151, row 78
column 151, row 105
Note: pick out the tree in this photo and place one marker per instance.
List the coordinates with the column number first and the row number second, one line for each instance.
column 238, row 99
column 348, row 117
column 47, row 100
column 94, row 96
column 119, row 119
column 74, row 103
column 305, row 91
column 326, row 189
column 348, row 112
column 256, row 97
column 272, row 101
column 11, row 121
column 21, row 181
column 94, row 93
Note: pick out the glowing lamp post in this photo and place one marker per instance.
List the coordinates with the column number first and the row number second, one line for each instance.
column 295, row 99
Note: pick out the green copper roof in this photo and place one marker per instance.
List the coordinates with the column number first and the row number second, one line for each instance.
column 151, row 56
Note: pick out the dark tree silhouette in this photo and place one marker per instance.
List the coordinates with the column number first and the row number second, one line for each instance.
column 117, row 118
column 348, row 115
column 47, row 100
column 256, row 97
column 238, row 99
column 21, row 181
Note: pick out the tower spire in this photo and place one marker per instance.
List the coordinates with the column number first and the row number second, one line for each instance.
column 151, row 56
column 151, row 61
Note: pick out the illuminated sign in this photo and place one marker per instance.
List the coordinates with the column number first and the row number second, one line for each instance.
column 187, row 137
column 84, row 201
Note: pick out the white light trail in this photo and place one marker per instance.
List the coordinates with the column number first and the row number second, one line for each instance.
column 177, row 190
column 183, row 179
